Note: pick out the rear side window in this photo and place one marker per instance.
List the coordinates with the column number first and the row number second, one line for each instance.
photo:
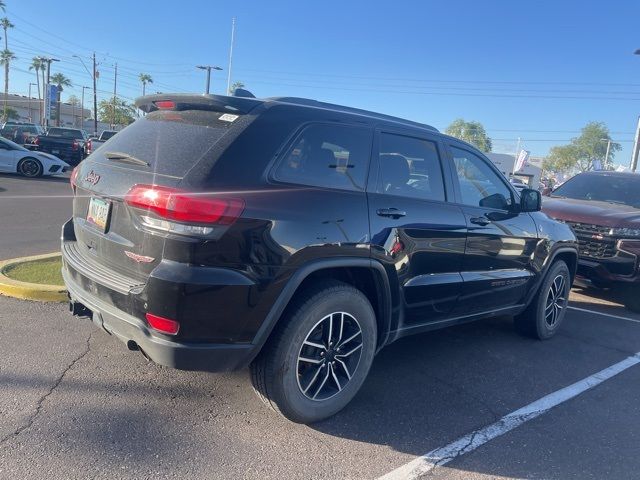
column 410, row 167
column 170, row 142
column 332, row 156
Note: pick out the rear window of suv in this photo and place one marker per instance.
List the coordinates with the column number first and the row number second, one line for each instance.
column 331, row 156
column 170, row 142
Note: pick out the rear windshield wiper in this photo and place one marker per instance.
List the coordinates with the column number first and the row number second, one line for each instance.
column 125, row 157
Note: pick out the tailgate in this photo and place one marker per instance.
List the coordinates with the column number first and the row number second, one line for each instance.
column 158, row 150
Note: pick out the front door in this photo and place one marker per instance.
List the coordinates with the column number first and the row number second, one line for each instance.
column 496, row 268
column 417, row 235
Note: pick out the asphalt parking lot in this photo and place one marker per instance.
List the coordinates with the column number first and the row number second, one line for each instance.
column 74, row 403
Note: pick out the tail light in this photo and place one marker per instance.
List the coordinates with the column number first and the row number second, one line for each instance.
column 163, row 325
column 36, row 141
column 89, row 145
column 75, row 145
column 73, row 179
column 183, row 212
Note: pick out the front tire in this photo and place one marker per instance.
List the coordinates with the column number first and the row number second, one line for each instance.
column 631, row 297
column 319, row 355
column 30, row 167
column 544, row 316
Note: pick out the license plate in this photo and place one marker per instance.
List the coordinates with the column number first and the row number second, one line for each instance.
column 55, row 152
column 99, row 213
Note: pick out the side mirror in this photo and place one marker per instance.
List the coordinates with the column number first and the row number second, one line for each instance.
column 530, row 200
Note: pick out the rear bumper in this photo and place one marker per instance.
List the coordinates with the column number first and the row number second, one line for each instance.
column 108, row 310
column 184, row 356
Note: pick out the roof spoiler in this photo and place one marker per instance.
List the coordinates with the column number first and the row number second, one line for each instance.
column 181, row 101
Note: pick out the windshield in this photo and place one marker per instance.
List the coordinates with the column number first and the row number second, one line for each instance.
column 12, row 145
column 623, row 190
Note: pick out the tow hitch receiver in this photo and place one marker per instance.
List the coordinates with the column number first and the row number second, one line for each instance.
column 79, row 310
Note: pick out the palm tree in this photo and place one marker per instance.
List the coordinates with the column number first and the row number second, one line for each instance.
column 2, row 5
column 6, row 24
column 61, row 81
column 6, row 56
column 37, row 65
column 234, row 86
column 144, row 79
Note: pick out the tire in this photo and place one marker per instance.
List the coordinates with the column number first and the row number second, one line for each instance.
column 30, row 167
column 544, row 316
column 289, row 374
column 631, row 297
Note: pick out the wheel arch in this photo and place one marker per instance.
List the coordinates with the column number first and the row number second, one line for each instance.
column 364, row 274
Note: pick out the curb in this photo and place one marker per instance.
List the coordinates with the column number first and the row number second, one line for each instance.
column 30, row 291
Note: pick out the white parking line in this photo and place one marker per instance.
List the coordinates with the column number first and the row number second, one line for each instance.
column 443, row 455
column 604, row 314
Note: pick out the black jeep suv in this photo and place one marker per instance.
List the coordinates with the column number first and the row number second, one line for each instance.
column 300, row 238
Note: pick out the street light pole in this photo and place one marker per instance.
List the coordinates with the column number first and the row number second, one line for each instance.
column 31, row 116
column 208, row 68
column 115, row 96
column 82, row 107
column 48, row 61
column 95, row 96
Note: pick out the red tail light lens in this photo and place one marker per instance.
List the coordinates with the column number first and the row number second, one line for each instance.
column 89, row 145
column 36, row 141
column 75, row 145
column 73, row 179
column 163, row 325
column 185, row 207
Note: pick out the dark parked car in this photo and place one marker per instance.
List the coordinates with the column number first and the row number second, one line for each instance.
column 69, row 144
column 300, row 238
column 603, row 208
column 21, row 133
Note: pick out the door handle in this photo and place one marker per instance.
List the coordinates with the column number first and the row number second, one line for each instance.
column 480, row 221
column 391, row 212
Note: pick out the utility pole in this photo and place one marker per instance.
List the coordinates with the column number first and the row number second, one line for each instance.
column 233, row 34
column 95, row 98
column 208, row 68
column 115, row 97
column 636, row 148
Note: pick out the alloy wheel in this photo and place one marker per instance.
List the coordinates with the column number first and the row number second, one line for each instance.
column 329, row 356
column 30, row 168
column 556, row 301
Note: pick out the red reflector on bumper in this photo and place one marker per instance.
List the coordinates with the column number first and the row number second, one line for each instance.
column 163, row 325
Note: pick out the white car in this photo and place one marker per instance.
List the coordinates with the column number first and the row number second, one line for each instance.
column 15, row 158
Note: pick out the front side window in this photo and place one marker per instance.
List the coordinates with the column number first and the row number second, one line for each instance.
column 332, row 156
column 480, row 185
column 410, row 167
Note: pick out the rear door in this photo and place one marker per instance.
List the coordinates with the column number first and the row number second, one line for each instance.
column 497, row 266
column 417, row 235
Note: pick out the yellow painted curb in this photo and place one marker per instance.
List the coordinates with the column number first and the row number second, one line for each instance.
column 30, row 291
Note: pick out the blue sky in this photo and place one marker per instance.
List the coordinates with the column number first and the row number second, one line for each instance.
column 538, row 70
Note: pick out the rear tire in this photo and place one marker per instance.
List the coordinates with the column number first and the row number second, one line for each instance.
column 30, row 167
column 318, row 357
column 544, row 316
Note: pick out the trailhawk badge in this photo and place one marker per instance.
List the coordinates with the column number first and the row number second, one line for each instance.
column 138, row 258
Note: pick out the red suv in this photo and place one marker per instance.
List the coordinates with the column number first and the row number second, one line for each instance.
column 603, row 209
